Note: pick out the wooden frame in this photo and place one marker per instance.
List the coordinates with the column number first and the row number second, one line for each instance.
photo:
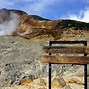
column 57, row 59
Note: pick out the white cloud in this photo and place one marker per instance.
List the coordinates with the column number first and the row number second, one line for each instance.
column 83, row 16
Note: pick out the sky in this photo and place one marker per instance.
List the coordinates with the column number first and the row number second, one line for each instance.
column 51, row 9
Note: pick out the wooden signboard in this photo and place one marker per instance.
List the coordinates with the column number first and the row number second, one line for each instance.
column 71, row 55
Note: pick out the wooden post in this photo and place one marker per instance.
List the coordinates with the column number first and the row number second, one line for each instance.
column 85, row 69
column 50, row 69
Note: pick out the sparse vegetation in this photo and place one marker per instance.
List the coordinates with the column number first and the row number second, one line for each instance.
column 39, row 18
column 77, row 25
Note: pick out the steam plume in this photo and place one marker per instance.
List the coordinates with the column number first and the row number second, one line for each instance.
column 8, row 22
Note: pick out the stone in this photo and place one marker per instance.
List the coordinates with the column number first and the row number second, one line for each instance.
column 67, row 87
column 26, row 82
column 58, row 82
column 42, row 88
column 42, row 82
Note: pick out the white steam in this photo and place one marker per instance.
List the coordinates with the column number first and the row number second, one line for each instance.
column 8, row 22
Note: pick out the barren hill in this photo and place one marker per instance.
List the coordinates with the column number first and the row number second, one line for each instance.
column 20, row 65
column 32, row 26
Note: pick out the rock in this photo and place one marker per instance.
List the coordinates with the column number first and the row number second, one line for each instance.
column 67, row 87
column 76, row 86
column 58, row 82
column 42, row 82
column 17, row 87
column 43, row 88
column 26, row 82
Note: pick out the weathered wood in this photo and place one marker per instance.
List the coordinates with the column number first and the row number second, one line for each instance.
column 68, row 42
column 66, row 49
column 66, row 59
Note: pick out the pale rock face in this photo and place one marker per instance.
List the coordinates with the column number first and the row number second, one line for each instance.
column 20, row 60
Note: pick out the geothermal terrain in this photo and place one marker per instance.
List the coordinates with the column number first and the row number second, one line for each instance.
column 22, row 38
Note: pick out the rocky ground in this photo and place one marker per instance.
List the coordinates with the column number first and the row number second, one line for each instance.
column 21, row 68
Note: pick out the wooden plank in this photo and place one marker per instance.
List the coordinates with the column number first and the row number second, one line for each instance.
column 65, row 59
column 66, row 49
column 67, row 42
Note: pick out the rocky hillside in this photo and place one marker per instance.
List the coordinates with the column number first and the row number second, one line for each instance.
column 29, row 26
column 32, row 26
column 20, row 65
column 21, row 68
